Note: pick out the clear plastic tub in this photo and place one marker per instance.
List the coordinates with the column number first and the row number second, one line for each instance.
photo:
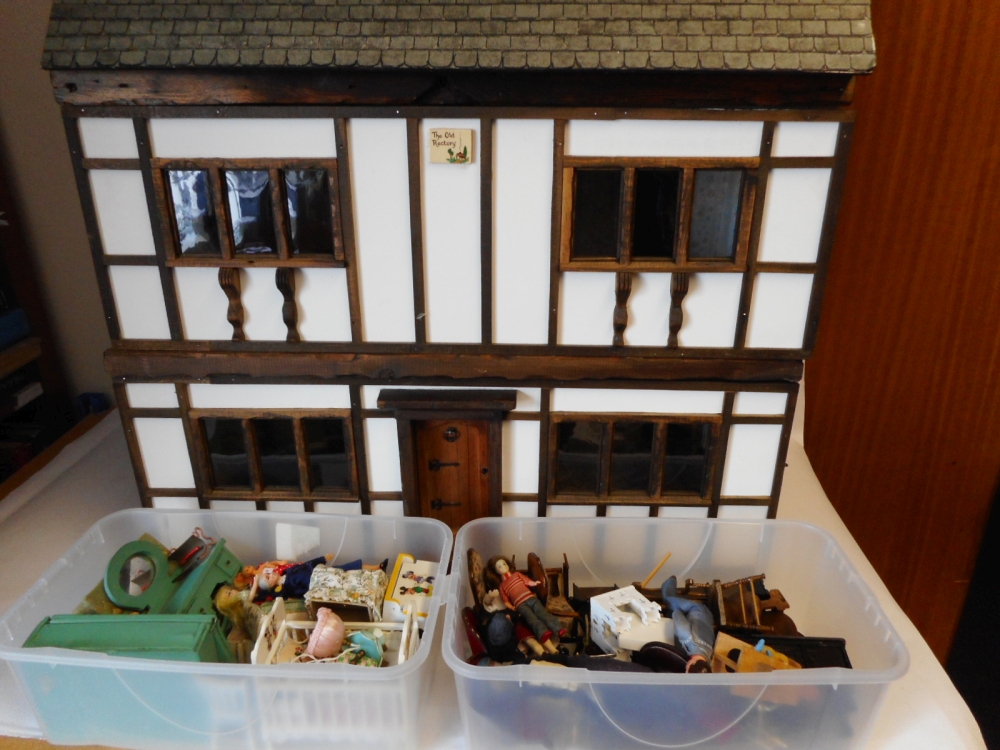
column 527, row 707
column 75, row 697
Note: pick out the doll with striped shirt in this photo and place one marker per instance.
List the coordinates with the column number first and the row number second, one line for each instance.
column 516, row 594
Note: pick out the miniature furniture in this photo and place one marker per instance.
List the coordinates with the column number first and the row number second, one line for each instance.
column 467, row 257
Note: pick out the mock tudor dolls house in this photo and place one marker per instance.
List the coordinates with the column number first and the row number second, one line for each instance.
column 463, row 258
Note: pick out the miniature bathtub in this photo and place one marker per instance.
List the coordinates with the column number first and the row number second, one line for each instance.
column 833, row 708
column 76, row 697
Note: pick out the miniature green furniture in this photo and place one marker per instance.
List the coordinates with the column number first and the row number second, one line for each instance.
column 174, row 637
column 166, row 592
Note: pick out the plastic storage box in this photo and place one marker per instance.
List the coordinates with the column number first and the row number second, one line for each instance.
column 76, row 697
column 534, row 707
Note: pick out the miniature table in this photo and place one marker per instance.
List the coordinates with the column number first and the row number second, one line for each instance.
column 92, row 478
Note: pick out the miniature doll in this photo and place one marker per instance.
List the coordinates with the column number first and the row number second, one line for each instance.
column 290, row 580
column 694, row 627
column 516, row 595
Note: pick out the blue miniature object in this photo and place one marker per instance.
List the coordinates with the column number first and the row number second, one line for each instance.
column 694, row 626
column 368, row 642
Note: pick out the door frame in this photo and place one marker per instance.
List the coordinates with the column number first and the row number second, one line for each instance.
column 408, row 405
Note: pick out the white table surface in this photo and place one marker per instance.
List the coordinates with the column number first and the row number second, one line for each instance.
column 92, row 477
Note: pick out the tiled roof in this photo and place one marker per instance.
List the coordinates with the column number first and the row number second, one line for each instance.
column 786, row 35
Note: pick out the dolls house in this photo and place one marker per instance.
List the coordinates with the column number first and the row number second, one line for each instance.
column 463, row 258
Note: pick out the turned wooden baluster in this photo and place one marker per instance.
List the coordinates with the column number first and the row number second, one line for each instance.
column 229, row 280
column 678, row 290
column 284, row 278
column 623, row 288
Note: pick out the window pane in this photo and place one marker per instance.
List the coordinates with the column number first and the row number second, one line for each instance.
column 194, row 212
column 279, row 463
column 327, row 453
column 716, row 213
column 685, row 466
column 631, row 455
column 595, row 213
column 657, row 193
column 228, row 452
column 578, row 452
column 250, row 211
column 309, row 211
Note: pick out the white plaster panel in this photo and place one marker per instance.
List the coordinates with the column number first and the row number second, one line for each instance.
column 289, row 506
column 750, row 460
column 241, row 505
column 649, row 310
column 382, row 446
column 805, row 139
column 386, row 507
column 381, row 196
column 760, row 403
column 528, row 399
column 743, row 512
column 793, row 215
column 586, row 308
column 175, row 503
column 108, row 138
column 138, row 295
column 122, row 212
column 779, row 310
column 520, row 456
column 324, row 310
column 335, row 509
column 663, row 138
column 673, row 511
column 152, row 395
column 522, row 227
column 277, row 396
column 711, row 309
column 452, row 241
column 203, row 304
column 628, row 511
column 262, row 303
column 598, row 400
column 519, row 509
column 164, row 452
column 571, row 511
column 237, row 138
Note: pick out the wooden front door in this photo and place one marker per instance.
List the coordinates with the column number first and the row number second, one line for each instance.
column 453, row 469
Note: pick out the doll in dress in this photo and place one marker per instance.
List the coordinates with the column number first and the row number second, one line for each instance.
column 288, row 580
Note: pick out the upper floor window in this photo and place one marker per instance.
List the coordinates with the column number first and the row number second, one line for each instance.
column 645, row 215
column 252, row 212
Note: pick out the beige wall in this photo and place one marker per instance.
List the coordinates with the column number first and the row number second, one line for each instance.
column 34, row 144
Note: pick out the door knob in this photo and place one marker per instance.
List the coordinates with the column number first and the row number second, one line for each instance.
column 451, row 434
column 438, row 504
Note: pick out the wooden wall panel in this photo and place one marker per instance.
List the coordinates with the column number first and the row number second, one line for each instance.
column 903, row 417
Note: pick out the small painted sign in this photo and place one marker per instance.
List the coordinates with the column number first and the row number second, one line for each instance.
column 451, row 146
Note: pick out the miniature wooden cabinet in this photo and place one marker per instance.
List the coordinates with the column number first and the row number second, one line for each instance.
column 602, row 307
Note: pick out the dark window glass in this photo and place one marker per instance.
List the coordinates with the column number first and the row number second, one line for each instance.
column 194, row 212
column 327, row 453
column 715, row 214
column 228, row 451
column 595, row 213
column 578, row 452
column 279, row 463
column 250, row 211
column 654, row 229
column 309, row 217
column 631, row 455
column 685, row 465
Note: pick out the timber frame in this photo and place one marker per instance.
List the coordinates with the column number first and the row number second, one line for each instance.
column 141, row 95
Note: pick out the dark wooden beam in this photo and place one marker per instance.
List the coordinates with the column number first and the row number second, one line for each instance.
column 182, row 365
column 153, row 87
